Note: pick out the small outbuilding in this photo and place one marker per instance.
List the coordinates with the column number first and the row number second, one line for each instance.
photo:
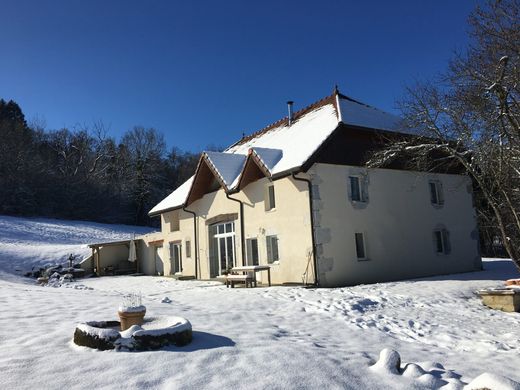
column 112, row 258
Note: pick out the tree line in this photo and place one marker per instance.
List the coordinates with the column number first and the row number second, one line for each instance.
column 83, row 173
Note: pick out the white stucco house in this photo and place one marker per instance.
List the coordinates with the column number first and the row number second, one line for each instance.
column 296, row 196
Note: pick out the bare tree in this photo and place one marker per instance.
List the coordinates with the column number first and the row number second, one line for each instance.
column 145, row 149
column 470, row 118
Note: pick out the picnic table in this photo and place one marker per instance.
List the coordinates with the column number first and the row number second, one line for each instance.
column 253, row 269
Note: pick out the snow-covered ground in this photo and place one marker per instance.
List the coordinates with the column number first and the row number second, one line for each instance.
column 36, row 242
column 278, row 337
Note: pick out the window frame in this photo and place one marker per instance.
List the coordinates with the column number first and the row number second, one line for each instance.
column 270, row 197
column 351, row 179
column 439, row 194
column 172, row 245
column 443, row 235
column 362, row 188
column 175, row 225
column 269, row 249
column 364, row 244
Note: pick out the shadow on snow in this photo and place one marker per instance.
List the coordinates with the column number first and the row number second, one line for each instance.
column 203, row 341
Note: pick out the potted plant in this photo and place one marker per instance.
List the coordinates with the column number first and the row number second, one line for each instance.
column 132, row 311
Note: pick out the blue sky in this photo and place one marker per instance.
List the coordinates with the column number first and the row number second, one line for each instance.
column 204, row 72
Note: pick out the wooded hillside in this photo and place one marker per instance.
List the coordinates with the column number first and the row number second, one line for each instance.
column 84, row 173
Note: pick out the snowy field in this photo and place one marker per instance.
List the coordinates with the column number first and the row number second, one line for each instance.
column 276, row 338
column 28, row 242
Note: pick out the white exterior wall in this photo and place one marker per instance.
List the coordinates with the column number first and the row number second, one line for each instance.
column 290, row 221
column 177, row 227
column 397, row 221
column 146, row 252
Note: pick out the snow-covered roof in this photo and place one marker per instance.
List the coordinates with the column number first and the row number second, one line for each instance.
column 175, row 199
column 355, row 113
column 281, row 147
column 268, row 157
column 296, row 142
column 228, row 166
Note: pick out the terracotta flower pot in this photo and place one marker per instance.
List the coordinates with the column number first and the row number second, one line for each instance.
column 131, row 316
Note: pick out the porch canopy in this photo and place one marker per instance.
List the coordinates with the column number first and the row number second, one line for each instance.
column 112, row 258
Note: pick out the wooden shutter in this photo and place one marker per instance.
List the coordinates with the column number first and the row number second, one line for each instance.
column 249, row 251
column 364, row 188
column 269, row 249
column 188, row 248
column 274, row 247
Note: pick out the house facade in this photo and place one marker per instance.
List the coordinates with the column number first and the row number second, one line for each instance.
column 297, row 196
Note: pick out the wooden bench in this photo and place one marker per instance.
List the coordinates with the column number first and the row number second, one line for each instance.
column 232, row 279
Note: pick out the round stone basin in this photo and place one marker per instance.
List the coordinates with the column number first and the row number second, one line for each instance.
column 154, row 333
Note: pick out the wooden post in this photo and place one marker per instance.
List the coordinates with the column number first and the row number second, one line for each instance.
column 98, row 261
column 136, row 259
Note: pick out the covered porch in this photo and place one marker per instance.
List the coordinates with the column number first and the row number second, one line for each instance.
column 113, row 258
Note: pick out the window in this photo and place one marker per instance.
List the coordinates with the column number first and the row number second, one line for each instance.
column 270, row 202
column 252, row 251
column 357, row 189
column 436, row 195
column 360, row 246
column 272, row 249
column 441, row 238
column 174, row 223
column 188, row 248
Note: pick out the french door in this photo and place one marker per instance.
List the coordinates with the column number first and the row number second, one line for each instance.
column 222, row 248
column 175, row 258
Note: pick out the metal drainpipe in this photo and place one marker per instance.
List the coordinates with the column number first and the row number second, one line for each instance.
column 242, row 235
column 315, row 262
column 196, row 240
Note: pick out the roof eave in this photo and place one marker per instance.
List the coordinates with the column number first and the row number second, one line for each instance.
column 159, row 212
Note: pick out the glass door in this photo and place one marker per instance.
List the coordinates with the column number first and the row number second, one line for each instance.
column 222, row 248
column 175, row 258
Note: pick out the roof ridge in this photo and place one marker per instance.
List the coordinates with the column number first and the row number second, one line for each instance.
column 297, row 115
column 342, row 96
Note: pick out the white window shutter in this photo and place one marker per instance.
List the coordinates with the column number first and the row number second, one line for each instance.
column 364, row 188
